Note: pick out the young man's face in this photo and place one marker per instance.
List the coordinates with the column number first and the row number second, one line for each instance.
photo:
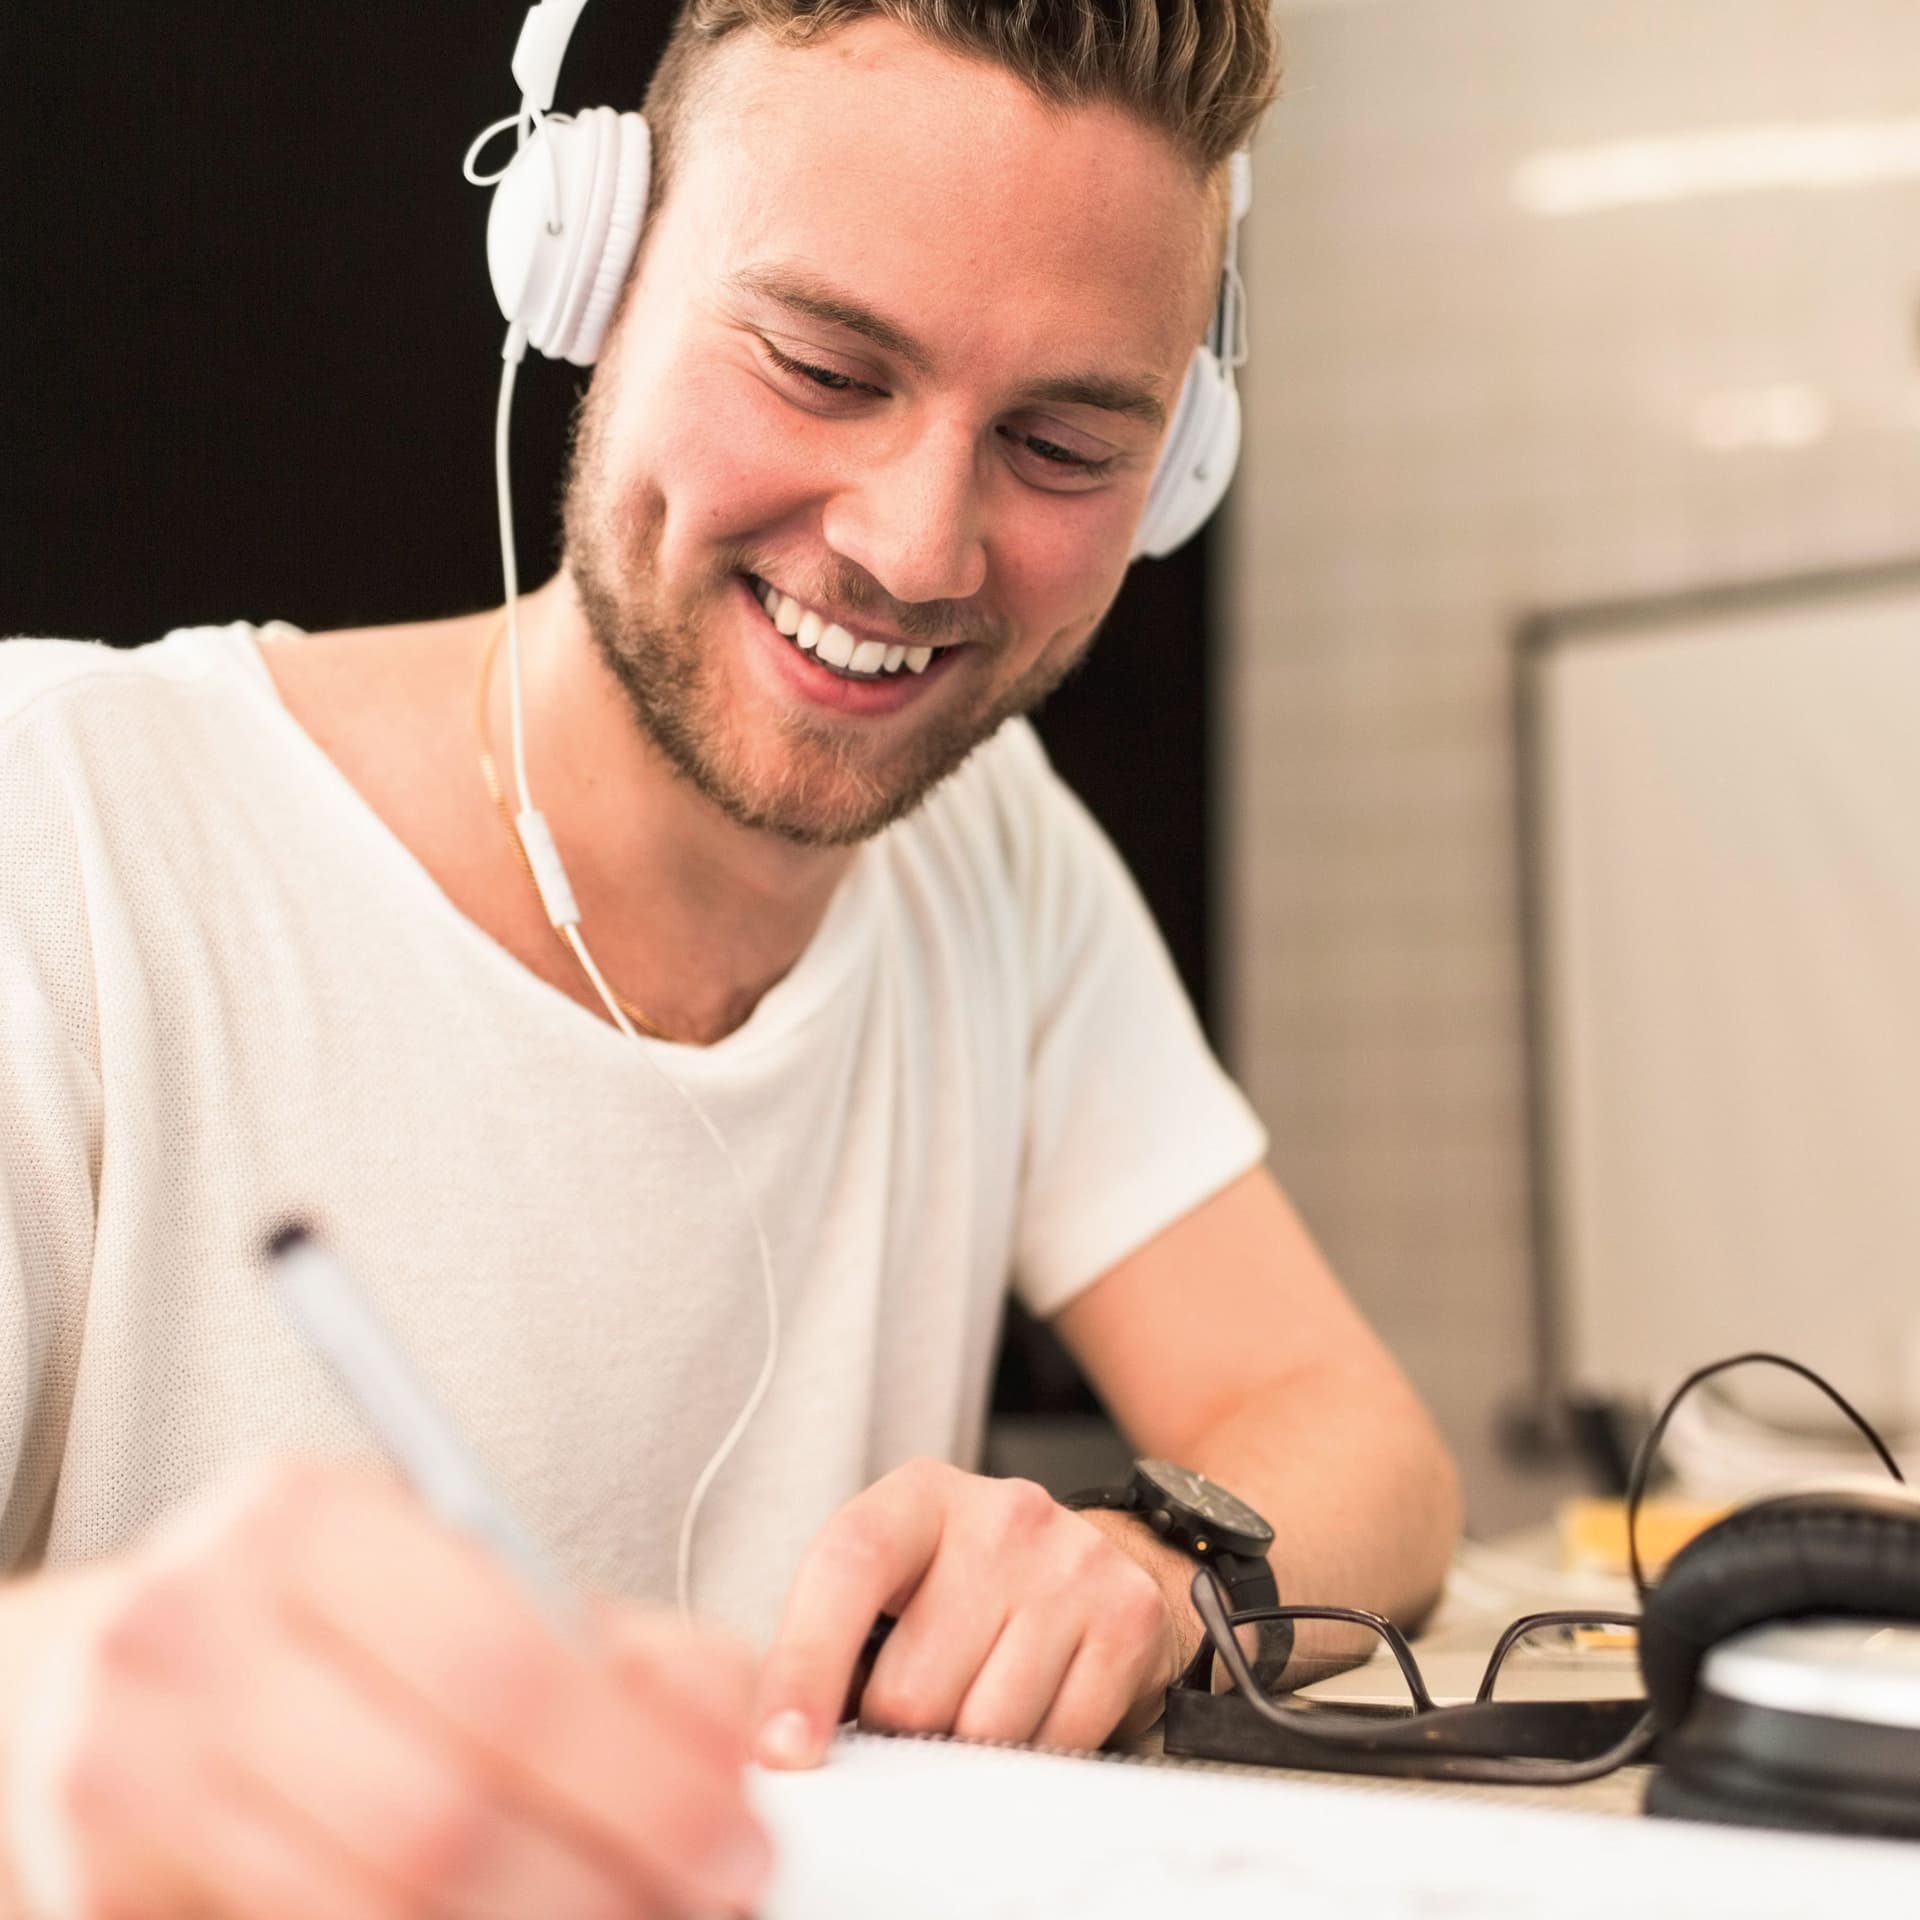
column 901, row 349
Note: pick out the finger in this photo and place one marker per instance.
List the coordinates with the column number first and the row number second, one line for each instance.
column 1016, row 1686
column 697, row 1671
column 313, row 1752
column 946, row 1631
column 603, row 1790
column 651, row 1787
column 252, row 1855
column 867, row 1560
column 159, row 1831
column 1102, row 1682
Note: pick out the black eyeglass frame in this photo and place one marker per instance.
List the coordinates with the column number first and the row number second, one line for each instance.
column 1509, row 1743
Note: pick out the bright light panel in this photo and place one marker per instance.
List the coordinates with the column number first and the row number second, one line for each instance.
column 1628, row 173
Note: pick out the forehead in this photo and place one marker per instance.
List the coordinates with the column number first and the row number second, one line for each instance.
column 942, row 190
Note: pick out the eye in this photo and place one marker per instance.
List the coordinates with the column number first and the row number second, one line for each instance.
column 826, row 379
column 1042, row 455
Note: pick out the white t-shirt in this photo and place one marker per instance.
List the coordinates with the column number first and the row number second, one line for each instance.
column 228, row 994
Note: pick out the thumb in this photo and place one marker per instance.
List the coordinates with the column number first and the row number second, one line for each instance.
column 695, row 1673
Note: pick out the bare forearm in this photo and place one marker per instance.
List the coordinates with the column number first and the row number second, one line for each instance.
column 1226, row 1344
column 1361, row 1491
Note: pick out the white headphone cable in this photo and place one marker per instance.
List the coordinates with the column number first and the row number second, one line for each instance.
column 556, row 895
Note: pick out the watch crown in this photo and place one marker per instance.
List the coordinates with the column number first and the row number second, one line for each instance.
column 1161, row 1521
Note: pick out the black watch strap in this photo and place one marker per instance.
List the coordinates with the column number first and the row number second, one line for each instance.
column 1107, row 1499
column 1249, row 1583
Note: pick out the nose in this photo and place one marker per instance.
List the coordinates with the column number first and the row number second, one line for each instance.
column 913, row 521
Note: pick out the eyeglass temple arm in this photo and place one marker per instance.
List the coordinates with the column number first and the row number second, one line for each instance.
column 1532, row 1623
column 1210, row 1602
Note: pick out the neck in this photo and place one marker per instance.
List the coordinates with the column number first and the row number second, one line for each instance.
column 691, row 916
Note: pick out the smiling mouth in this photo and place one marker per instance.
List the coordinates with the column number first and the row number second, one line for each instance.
column 832, row 646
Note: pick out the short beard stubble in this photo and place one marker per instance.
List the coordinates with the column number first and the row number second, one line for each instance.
column 810, row 780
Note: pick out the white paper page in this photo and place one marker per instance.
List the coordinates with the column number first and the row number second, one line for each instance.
column 932, row 1830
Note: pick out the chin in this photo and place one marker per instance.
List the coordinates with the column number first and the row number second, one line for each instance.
column 814, row 798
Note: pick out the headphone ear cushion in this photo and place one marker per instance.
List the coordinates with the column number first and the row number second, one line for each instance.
column 1196, row 463
column 1802, row 1554
column 623, row 167
column 560, row 278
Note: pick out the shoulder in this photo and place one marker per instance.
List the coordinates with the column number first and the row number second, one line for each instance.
column 103, row 753
column 96, row 744
column 42, row 682
column 39, row 674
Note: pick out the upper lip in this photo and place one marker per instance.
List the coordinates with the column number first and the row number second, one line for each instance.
column 852, row 623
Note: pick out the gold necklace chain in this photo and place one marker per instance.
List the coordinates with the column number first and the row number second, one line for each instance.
column 491, row 775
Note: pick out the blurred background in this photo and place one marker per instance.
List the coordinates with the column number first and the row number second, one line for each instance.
column 1523, row 768
column 1562, row 305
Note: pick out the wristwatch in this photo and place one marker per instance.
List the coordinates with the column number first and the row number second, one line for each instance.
column 1206, row 1523
column 1213, row 1528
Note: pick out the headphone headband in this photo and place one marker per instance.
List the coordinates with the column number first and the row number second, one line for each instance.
column 542, row 46
column 566, row 219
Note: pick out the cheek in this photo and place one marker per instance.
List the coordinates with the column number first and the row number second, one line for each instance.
column 1061, row 575
column 728, row 458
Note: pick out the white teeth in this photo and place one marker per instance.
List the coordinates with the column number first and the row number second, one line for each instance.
column 834, row 644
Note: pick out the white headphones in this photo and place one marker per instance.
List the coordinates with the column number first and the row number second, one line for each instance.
column 566, row 219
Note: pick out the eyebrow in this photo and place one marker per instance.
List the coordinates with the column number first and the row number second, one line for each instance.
column 804, row 293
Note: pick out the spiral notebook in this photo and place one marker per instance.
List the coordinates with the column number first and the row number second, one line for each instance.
column 940, row 1830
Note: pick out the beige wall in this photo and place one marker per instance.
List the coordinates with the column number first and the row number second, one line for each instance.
column 1461, row 411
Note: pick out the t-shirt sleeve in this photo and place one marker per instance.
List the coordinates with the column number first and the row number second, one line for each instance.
column 50, row 1138
column 1131, row 1122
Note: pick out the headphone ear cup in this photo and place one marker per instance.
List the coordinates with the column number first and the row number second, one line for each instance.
column 624, row 165
column 1196, row 463
column 1802, row 1554
column 560, row 278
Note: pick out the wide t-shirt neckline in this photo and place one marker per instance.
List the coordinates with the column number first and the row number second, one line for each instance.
column 841, row 940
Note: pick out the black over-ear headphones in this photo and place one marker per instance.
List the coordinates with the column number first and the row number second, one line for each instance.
column 1781, row 1652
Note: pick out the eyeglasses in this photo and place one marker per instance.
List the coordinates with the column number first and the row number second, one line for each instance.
column 1509, row 1742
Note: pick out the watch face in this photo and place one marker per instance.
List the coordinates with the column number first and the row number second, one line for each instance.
column 1215, row 1506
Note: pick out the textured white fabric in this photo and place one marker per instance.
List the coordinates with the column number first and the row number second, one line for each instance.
column 228, row 993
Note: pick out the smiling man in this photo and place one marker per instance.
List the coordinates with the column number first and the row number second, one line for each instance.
column 861, row 467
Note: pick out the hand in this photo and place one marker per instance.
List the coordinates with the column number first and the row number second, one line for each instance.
column 1017, row 1620
column 306, row 1699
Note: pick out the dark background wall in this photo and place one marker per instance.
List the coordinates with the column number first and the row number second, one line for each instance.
column 251, row 356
